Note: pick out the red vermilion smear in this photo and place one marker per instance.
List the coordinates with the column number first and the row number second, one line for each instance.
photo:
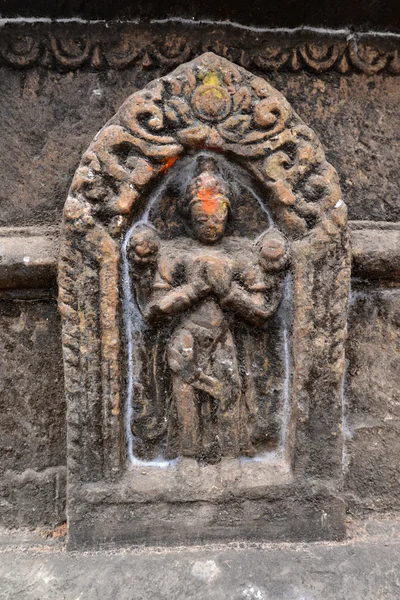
column 206, row 195
column 168, row 164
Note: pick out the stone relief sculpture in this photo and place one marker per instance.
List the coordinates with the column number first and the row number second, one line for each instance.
column 204, row 277
column 201, row 282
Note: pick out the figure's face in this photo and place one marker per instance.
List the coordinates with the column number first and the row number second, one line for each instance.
column 209, row 216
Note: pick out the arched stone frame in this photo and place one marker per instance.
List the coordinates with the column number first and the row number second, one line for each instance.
column 208, row 103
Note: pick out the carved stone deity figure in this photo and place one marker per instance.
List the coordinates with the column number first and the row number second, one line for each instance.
column 184, row 334
column 199, row 285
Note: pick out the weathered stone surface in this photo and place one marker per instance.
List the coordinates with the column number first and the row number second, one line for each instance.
column 364, row 567
column 34, row 498
column 32, row 413
column 28, row 257
column 376, row 251
column 372, row 426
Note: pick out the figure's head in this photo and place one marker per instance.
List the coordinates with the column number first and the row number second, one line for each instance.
column 207, row 204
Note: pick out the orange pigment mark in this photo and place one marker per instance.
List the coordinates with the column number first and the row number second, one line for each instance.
column 208, row 196
column 168, row 164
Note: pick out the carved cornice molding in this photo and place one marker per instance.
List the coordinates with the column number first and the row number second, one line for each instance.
column 124, row 46
column 29, row 254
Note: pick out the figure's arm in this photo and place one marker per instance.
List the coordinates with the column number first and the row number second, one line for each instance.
column 256, row 304
column 175, row 301
column 256, row 296
column 169, row 299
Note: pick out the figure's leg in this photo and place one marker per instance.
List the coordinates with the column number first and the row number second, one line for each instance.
column 228, row 414
column 229, row 430
column 210, row 450
column 188, row 416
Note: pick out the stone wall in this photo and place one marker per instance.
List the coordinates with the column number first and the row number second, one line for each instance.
column 59, row 84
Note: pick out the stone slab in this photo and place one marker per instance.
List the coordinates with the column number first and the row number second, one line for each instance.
column 28, row 255
column 364, row 567
column 32, row 414
column 282, row 515
column 32, row 406
column 33, row 498
column 372, row 400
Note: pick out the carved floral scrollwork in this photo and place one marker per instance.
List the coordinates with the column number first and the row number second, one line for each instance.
column 128, row 49
column 207, row 104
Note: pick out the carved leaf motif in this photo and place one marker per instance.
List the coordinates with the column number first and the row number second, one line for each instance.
column 21, row 51
column 171, row 51
column 173, row 86
column 231, row 76
column 367, row 58
column 272, row 59
column 235, row 127
column 70, row 53
column 178, row 110
column 144, row 116
column 196, row 135
column 191, row 81
column 123, row 53
column 242, row 99
column 319, row 57
column 271, row 115
column 107, row 143
column 261, row 87
column 171, row 114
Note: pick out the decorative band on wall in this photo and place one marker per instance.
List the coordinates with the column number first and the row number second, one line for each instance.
column 127, row 45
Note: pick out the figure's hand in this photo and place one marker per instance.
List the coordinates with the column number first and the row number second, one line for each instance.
column 143, row 247
column 274, row 251
column 200, row 288
column 218, row 274
column 174, row 302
